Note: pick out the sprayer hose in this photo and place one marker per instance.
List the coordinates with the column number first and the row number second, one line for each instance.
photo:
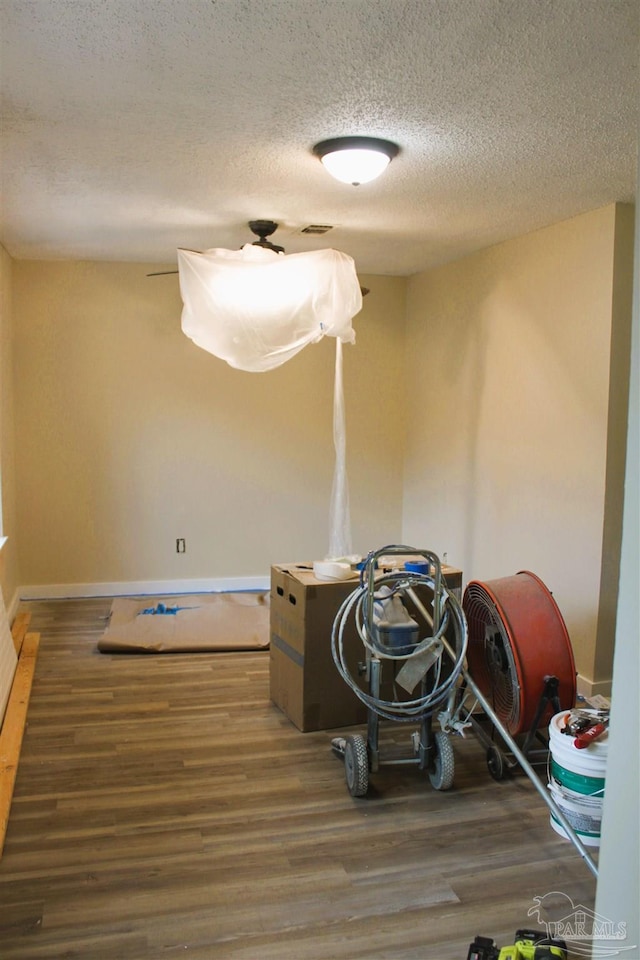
column 450, row 613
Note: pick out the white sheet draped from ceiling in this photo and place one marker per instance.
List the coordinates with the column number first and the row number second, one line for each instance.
column 256, row 309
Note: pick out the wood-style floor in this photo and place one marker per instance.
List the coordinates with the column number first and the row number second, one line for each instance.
column 165, row 808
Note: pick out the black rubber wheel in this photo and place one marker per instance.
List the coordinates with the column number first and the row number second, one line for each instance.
column 441, row 773
column 356, row 765
column 495, row 763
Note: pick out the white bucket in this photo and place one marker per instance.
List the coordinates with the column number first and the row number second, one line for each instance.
column 577, row 780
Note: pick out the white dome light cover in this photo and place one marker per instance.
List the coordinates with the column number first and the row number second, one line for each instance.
column 355, row 160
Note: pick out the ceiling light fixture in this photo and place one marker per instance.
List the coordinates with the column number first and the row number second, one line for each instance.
column 356, row 160
column 257, row 307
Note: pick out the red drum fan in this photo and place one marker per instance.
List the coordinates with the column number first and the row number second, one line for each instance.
column 517, row 641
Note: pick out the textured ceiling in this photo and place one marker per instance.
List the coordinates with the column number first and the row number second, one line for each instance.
column 132, row 127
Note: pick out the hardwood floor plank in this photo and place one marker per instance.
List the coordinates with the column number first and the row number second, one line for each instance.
column 164, row 807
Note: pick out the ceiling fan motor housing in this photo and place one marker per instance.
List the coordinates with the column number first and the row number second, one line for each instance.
column 262, row 230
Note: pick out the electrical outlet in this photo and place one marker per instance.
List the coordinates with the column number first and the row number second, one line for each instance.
column 181, row 545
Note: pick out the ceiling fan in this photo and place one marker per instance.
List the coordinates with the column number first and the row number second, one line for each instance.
column 262, row 229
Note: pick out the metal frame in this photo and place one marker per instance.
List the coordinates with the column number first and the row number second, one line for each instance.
column 457, row 714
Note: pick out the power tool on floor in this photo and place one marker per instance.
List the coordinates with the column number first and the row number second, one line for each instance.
column 528, row 945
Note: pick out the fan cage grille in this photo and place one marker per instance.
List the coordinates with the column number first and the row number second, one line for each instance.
column 491, row 656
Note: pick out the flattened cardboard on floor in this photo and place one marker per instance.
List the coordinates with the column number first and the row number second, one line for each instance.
column 219, row 621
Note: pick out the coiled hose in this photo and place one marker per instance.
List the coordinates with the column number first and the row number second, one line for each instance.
column 441, row 682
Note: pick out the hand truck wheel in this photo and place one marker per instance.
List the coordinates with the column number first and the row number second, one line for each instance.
column 495, row 763
column 441, row 773
column 356, row 765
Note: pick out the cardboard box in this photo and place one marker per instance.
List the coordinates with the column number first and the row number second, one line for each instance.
column 304, row 681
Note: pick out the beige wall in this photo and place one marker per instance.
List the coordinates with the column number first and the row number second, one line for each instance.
column 8, row 572
column 130, row 436
column 617, row 419
column 494, row 434
column 508, row 361
column 8, row 553
column 618, row 892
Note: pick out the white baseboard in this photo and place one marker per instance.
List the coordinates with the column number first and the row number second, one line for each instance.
column 134, row 588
